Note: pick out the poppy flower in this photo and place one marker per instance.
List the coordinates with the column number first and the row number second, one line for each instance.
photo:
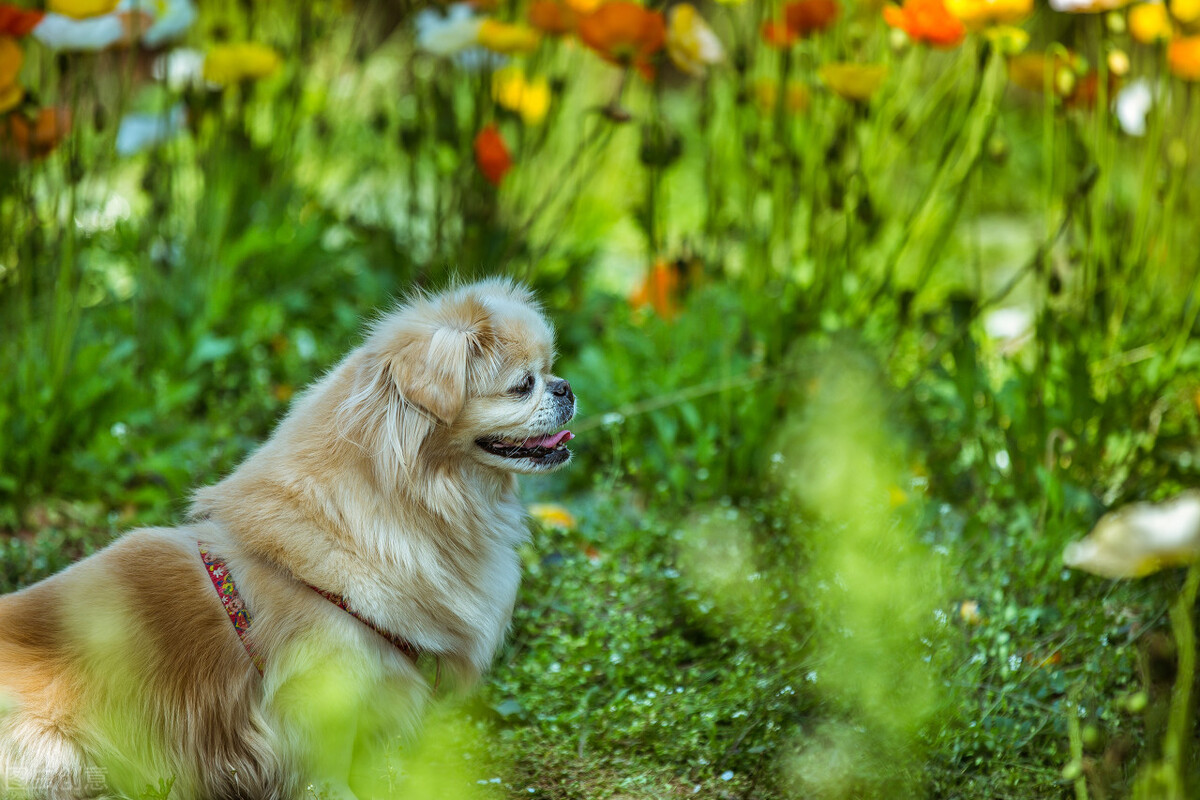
column 1140, row 539
column 658, row 290
column 979, row 14
column 91, row 34
column 806, row 17
column 691, row 44
column 171, row 21
column 926, row 21
column 140, row 132
column 491, row 155
column 81, row 9
column 624, row 33
column 1149, row 23
column 11, row 59
column 22, row 139
column 766, row 95
column 528, row 98
column 857, row 82
column 1186, row 11
column 503, row 37
column 18, row 21
column 1183, row 58
column 1132, row 105
column 778, row 34
column 449, row 33
column 801, row 19
column 228, row 64
column 553, row 515
column 553, row 17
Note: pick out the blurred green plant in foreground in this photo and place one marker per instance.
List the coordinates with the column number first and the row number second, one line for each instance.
column 870, row 309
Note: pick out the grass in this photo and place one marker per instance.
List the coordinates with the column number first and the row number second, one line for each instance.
column 821, row 498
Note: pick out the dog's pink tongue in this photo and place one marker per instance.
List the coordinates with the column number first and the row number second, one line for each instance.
column 554, row 440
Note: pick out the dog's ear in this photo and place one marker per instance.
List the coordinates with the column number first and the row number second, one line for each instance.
column 413, row 375
column 432, row 361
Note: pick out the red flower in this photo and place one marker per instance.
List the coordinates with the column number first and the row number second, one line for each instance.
column 18, row 21
column 624, row 33
column 810, row 16
column 491, row 154
column 800, row 19
column 26, row 140
column 926, row 21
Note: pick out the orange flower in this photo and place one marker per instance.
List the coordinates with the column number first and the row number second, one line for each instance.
column 624, row 33
column 778, row 34
column 491, row 154
column 800, row 19
column 18, row 21
column 552, row 17
column 926, row 21
column 24, row 140
column 804, row 17
column 1183, row 58
column 658, row 290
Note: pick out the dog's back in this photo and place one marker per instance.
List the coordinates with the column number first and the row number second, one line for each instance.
column 113, row 673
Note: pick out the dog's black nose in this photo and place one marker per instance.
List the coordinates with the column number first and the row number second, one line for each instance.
column 562, row 389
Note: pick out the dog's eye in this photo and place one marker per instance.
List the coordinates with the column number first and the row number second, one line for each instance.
column 524, row 387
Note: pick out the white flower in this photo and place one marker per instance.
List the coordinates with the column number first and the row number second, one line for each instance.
column 140, row 132
column 180, row 68
column 1133, row 104
column 1140, row 539
column 450, row 33
column 172, row 18
column 1008, row 323
column 59, row 32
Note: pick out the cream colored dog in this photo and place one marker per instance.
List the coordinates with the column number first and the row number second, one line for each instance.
column 378, row 526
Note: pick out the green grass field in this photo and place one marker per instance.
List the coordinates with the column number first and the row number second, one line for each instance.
column 871, row 311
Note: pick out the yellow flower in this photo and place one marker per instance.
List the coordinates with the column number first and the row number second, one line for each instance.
column 81, row 8
column 11, row 59
column 977, row 14
column 529, row 98
column 10, row 97
column 1149, row 22
column 691, row 44
column 1140, row 539
column 766, row 93
column 232, row 63
column 968, row 612
column 502, row 37
column 854, row 81
column 1186, row 11
column 552, row 515
column 583, row 6
column 1007, row 39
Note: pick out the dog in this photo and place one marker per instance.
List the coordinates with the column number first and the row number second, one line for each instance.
column 302, row 616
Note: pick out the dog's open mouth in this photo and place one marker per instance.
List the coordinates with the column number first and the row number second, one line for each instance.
column 550, row 449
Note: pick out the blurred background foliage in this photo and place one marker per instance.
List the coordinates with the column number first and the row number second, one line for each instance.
column 870, row 310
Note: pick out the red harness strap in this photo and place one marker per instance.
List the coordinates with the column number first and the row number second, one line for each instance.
column 231, row 600
column 240, row 616
column 403, row 645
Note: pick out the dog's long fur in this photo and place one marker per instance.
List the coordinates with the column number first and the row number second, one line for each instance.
column 373, row 488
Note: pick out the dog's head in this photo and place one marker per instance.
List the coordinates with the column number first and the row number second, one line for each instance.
column 464, row 374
